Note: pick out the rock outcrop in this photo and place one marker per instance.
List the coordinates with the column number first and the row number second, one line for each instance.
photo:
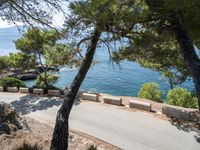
column 9, row 119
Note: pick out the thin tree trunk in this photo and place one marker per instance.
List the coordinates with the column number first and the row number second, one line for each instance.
column 61, row 129
column 189, row 55
column 171, row 83
column 45, row 72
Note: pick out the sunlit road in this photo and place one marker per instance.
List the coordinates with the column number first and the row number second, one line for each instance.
column 125, row 129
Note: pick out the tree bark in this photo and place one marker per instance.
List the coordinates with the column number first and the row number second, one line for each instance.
column 189, row 54
column 46, row 84
column 61, row 129
column 171, row 83
column 186, row 45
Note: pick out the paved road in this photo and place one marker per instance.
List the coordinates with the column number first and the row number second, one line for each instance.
column 125, row 129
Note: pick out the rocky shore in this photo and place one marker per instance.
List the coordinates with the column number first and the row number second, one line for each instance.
column 27, row 74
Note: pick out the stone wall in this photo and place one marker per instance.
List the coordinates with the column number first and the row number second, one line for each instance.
column 181, row 113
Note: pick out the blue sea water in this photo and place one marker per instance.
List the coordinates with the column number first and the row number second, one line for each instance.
column 123, row 79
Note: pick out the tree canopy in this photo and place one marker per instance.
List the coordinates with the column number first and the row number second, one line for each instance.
column 4, row 63
column 34, row 39
column 21, row 60
column 153, row 43
column 61, row 55
column 165, row 12
column 30, row 12
column 175, row 21
column 46, row 49
column 156, row 52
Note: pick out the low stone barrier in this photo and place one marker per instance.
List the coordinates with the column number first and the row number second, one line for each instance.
column 90, row 97
column 66, row 92
column 177, row 112
column 195, row 116
column 1, row 89
column 12, row 89
column 140, row 105
column 24, row 90
column 38, row 91
column 112, row 100
column 54, row 92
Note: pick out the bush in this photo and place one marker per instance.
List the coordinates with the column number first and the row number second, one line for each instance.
column 150, row 91
column 182, row 97
column 51, row 80
column 26, row 146
column 11, row 82
column 92, row 147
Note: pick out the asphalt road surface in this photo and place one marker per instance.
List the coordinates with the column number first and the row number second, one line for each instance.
column 128, row 130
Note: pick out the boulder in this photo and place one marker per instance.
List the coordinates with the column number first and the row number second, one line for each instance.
column 9, row 119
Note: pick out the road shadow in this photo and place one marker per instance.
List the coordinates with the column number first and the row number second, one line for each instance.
column 31, row 103
column 187, row 127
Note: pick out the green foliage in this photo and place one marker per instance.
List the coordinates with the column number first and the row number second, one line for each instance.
column 182, row 97
column 39, row 44
column 187, row 10
column 34, row 39
column 21, row 60
column 26, row 146
column 30, row 42
column 11, row 82
column 4, row 63
column 16, row 60
column 156, row 52
column 50, row 79
column 153, row 43
column 92, row 147
column 31, row 13
column 60, row 55
column 108, row 16
column 150, row 91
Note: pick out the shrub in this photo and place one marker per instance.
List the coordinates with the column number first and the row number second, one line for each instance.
column 150, row 91
column 51, row 80
column 92, row 147
column 182, row 97
column 11, row 82
column 26, row 146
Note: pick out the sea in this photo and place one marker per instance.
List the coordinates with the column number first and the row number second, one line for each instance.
column 123, row 79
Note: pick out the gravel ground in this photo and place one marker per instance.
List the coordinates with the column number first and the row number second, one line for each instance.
column 41, row 133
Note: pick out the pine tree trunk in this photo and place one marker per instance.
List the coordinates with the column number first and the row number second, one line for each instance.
column 171, row 83
column 186, row 45
column 61, row 129
column 189, row 55
column 44, row 78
